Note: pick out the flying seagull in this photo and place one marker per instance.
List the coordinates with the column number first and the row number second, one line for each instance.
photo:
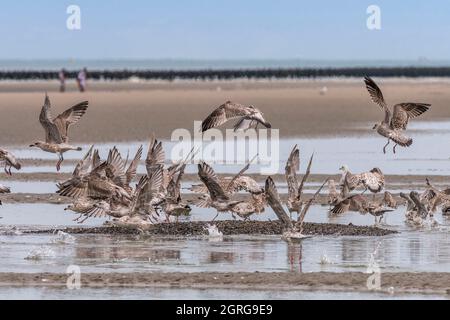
column 395, row 122
column 56, row 129
column 248, row 116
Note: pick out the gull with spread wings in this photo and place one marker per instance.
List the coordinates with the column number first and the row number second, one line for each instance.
column 248, row 116
column 56, row 129
column 291, row 230
column 396, row 121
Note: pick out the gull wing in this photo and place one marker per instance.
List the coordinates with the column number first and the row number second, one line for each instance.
column 52, row 134
column 377, row 96
column 227, row 111
column 273, row 199
column 302, row 215
column 131, row 171
column 209, row 178
column 155, row 155
column 405, row 111
column 291, row 168
column 70, row 117
column 305, row 177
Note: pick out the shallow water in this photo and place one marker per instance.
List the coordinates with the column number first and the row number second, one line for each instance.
column 30, row 186
column 360, row 153
column 198, row 294
column 411, row 250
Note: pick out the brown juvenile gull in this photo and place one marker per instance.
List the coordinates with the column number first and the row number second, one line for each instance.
column 295, row 189
column 395, row 123
column 333, row 195
column 56, row 129
column 234, row 184
column 126, row 212
column 218, row 199
column 173, row 204
column 389, row 201
column 416, row 211
column 434, row 198
column 291, row 230
column 372, row 180
column 348, row 179
column 4, row 189
column 249, row 116
column 359, row 203
column 9, row 160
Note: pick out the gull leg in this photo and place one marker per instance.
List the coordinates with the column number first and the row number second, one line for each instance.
column 78, row 218
column 393, row 149
column 9, row 171
column 58, row 164
column 384, row 148
column 87, row 217
column 215, row 217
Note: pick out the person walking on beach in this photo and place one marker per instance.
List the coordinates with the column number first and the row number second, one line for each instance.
column 81, row 80
column 62, row 80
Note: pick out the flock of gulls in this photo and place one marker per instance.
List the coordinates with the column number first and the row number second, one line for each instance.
column 111, row 187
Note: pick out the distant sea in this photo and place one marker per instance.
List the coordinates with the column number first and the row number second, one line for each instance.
column 180, row 64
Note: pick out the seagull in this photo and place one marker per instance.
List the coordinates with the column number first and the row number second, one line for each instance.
column 9, row 160
column 121, row 210
column 295, row 189
column 348, row 180
column 291, row 230
column 256, row 204
column 4, row 189
column 56, row 129
column 359, row 203
column 234, row 184
column 389, row 201
column 333, row 195
column 416, row 212
column 217, row 197
column 173, row 204
column 372, row 180
column 395, row 122
column 435, row 197
column 249, row 117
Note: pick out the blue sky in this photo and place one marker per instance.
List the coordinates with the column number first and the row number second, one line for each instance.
column 225, row 29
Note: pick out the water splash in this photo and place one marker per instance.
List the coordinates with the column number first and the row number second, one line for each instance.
column 324, row 260
column 10, row 231
column 213, row 232
column 40, row 253
column 63, row 238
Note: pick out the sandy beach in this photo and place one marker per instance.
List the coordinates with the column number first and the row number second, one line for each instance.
column 131, row 112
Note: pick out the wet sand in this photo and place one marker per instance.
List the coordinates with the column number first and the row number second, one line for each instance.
column 399, row 282
column 53, row 198
column 227, row 227
column 125, row 111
